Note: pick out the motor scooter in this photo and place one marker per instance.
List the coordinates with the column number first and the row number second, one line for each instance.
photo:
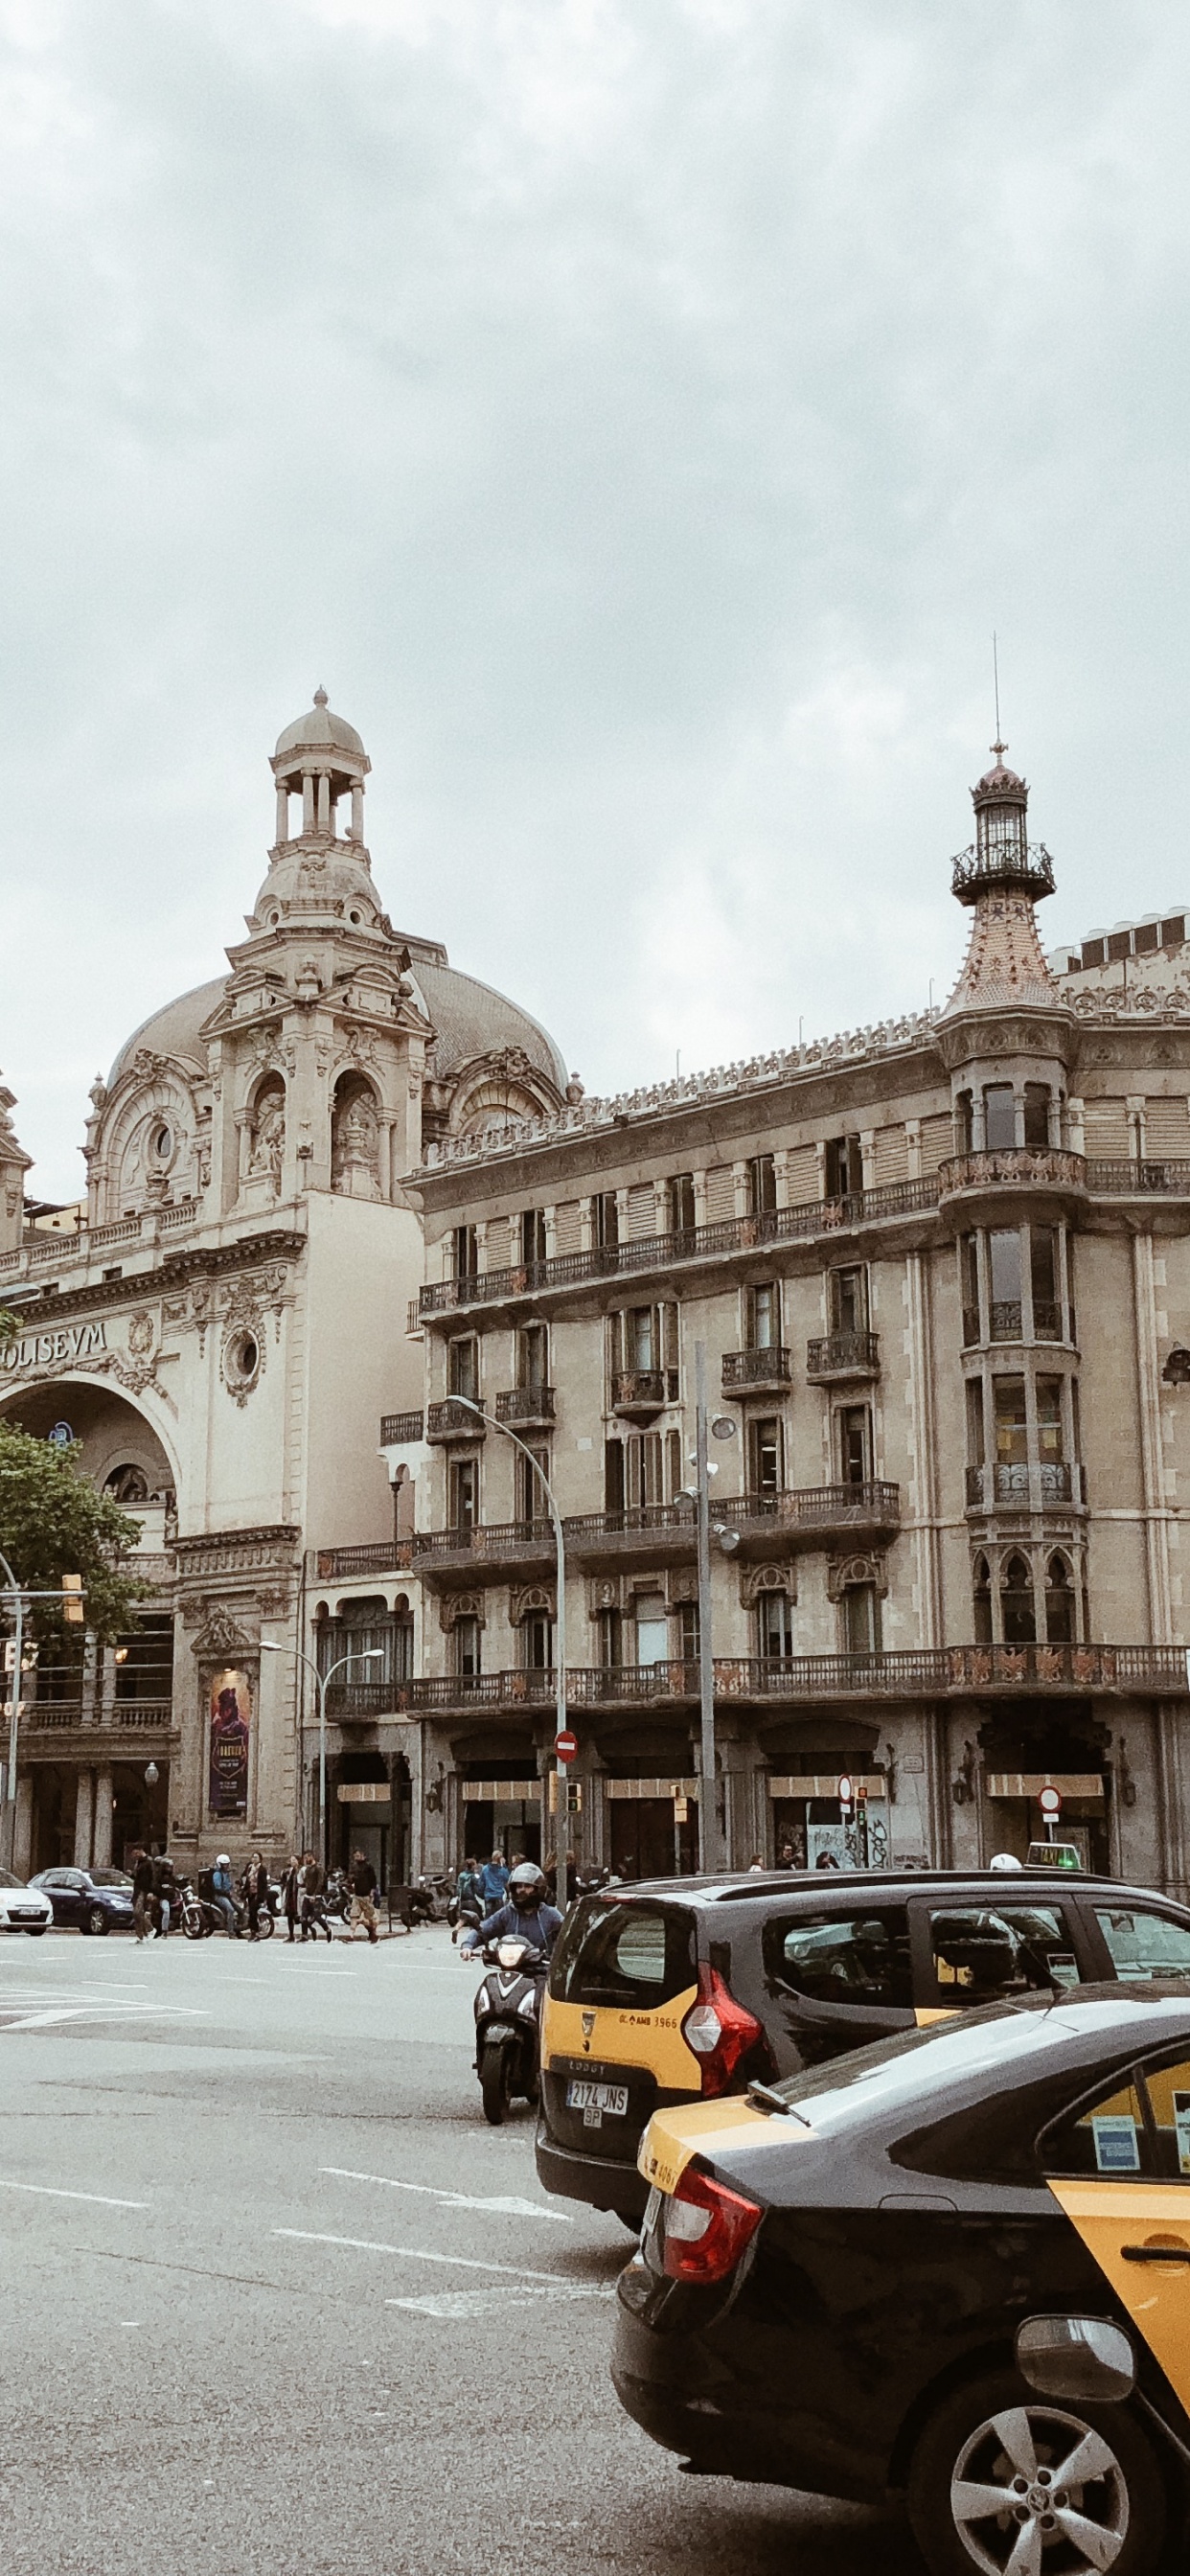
column 507, row 2017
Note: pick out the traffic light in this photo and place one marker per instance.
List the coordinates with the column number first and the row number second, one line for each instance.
column 72, row 1601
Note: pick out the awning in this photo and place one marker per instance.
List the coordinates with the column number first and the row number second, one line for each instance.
column 1029, row 1784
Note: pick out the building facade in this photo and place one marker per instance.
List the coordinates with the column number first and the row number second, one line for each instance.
column 941, row 1273
column 223, row 1319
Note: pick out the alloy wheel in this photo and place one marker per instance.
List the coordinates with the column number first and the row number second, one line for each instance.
column 1034, row 2490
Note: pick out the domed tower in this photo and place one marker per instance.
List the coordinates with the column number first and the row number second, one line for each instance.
column 321, row 759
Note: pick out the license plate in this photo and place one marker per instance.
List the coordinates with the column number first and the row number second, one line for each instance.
column 594, row 2099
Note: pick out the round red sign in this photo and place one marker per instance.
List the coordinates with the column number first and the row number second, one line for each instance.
column 565, row 1746
column 1050, row 1802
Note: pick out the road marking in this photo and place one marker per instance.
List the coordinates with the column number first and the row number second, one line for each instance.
column 97, row 2012
column 415, row 2254
column 454, row 2306
column 47, row 2191
column 503, row 2205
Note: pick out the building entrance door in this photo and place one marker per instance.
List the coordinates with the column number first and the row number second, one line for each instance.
column 643, row 1840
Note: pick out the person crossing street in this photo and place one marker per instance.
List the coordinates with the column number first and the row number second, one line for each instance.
column 363, row 1892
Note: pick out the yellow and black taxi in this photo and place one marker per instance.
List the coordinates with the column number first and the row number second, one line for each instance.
column 954, row 2267
column 686, row 1990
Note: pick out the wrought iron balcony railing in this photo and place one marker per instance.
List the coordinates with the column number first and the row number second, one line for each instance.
column 1022, row 1486
column 815, row 1511
column 1030, row 869
column 637, row 1393
column 838, row 1355
column 744, row 1370
column 493, row 1542
column 451, row 1420
column 398, row 1427
column 378, row 1556
column 532, row 1405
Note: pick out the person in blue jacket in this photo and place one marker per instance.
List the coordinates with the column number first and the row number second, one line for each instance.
column 493, row 1880
column 528, row 1914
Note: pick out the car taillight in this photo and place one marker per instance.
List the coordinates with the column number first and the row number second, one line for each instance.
column 706, row 2229
column 720, row 2032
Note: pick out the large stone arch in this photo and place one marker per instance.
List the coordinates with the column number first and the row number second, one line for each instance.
column 115, row 1429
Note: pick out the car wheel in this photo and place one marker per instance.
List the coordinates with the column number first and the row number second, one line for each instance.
column 96, row 1920
column 1003, row 2480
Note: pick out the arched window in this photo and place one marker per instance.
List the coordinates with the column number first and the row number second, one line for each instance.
column 982, row 1596
column 1059, row 1603
column 1016, row 1602
column 774, row 1626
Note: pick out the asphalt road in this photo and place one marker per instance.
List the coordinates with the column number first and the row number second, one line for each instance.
column 276, row 2298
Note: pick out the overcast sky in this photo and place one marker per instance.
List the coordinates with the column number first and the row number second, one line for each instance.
column 638, row 413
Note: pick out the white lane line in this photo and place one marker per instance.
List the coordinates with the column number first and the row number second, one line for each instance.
column 96, row 2012
column 48, row 2191
column 504, row 2205
column 456, row 2305
column 415, row 2254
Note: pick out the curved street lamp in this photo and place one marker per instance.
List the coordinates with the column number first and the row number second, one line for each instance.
column 364, row 1655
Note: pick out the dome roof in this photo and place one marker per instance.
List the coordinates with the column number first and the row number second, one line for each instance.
column 319, row 730
column 999, row 781
column 173, row 1030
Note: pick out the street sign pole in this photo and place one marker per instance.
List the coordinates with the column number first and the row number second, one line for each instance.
column 709, row 1855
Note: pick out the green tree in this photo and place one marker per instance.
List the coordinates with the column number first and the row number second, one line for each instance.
column 52, row 1522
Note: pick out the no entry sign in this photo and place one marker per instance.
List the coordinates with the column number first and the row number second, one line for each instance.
column 565, row 1745
column 1050, row 1802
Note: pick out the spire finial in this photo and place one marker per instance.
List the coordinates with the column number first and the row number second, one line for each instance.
column 320, row 697
column 997, row 746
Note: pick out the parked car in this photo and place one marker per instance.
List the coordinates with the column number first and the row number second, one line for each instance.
column 686, row 1989
column 97, row 1900
column 23, row 1909
column 953, row 2266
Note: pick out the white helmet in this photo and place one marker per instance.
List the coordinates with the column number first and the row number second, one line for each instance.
column 1005, row 1860
column 223, row 1860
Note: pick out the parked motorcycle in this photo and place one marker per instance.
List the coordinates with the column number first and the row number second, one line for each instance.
column 507, row 2010
column 337, row 1900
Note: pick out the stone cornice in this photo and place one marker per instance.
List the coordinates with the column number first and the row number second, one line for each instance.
column 198, row 1262
column 191, row 1552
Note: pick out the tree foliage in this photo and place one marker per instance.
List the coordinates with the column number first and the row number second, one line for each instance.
column 52, row 1522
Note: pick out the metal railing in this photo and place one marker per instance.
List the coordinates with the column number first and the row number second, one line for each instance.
column 495, row 1540
column 1028, row 867
column 744, row 1369
column 531, row 1404
column 379, row 1556
column 853, row 1354
column 1147, row 1178
column 397, row 1427
column 872, row 1505
column 450, row 1420
column 638, row 1390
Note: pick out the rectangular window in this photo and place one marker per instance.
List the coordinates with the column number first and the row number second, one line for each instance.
column 611, row 1640
column 762, row 1185
column 690, row 1632
column 464, row 1493
column 844, row 1167
column 531, row 1501
column 1008, row 1397
column 641, row 1338
column 467, row 1633
column 533, row 1235
column 975, row 1447
column 999, row 1117
column 861, row 1619
column 652, row 1629
column 849, row 1300
column 605, row 1221
column 855, row 1444
column 644, row 1462
column 462, row 1367
column 1043, row 1274
column 1037, row 1115
column 1051, row 1447
column 964, row 1124
column 537, row 1643
column 764, row 1316
column 1004, row 1276
column 774, row 1626
column 679, row 1200
column 614, row 1479
column 969, row 1286
column 985, row 1953
column 533, row 1355
column 465, row 1251
column 764, row 1455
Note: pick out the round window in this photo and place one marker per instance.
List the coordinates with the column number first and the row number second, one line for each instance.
column 247, row 1356
column 355, row 919
column 163, row 1143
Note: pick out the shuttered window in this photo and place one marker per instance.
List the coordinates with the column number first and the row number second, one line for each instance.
column 1107, row 1131
column 890, row 1156
column 1167, row 1130
column 801, row 1176
column 497, row 1253
column 937, row 1139
column 567, row 1223
column 642, row 1209
column 720, row 1193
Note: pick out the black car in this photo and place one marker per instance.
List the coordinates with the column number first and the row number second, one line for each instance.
column 96, row 1900
column 685, row 1989
column 954, row 2266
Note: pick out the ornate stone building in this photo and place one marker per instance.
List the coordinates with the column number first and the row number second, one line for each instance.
column 222, row 1320
column 941, row 1269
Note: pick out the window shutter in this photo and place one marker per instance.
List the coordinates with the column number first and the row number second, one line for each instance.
column 937, row 1139
column 669, row 1337
column 720, row 1193
column 673, row 1464
column 801, row 1176
column 567, row 1225
column 497, row 1254
column 1167, row 1130
column 1106, row 1131
column 653, row 1462
column 890, row 1156
column 642, row 1209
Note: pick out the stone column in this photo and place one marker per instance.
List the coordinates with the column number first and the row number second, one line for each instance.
column 22, row 1860
column 103, row 1817
column 90, row 1668
column 107, row 1688
column 307, row 803
column 357, row 809
column 84, row 1818
column 1148, row 1402
column 324, row 801
column 282, row 815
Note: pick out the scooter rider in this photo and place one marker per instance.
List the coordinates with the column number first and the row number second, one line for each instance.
column 528, row 1915
column 222, row 1884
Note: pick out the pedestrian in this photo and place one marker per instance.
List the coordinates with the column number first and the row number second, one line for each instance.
column 291, row 1896
column 142, row 1894
column 313, row 1889
column 826, row 1860
column 787, row 1857
column 756, row 1863
column 363, row 1889
column 493, row 1882
column 165, row 1893
column 222, row 1898
column 254, row 1888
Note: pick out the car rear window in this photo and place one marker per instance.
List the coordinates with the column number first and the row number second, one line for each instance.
column 637, row 1956
column 109, row 1878
column 986, row 1953
column 1143, row 1944
column 859, row 1958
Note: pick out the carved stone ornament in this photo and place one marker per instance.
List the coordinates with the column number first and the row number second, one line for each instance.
column 604, row 1592
column 529, row 1600
column 460, row 1605
column 681, row 1585
column 843, row 1573
column 141, row 1333
column 242, row 1357
column 221, row 1639
column 756, row 1579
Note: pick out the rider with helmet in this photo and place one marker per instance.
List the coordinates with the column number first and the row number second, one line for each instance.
column 527, row 1914
column 222, row 1885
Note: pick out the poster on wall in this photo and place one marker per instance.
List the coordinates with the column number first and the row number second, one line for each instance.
column 231, row 1724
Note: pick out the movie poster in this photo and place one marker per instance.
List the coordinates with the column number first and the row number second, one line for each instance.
column 231, row 1723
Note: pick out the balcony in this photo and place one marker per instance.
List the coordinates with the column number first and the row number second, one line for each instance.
column 379, row 1556
column 954, row 1671
column 641, row 1534
column 753, row 1372
column 1001, row 869
column 812, row 1516
column 483, row 1552
column 396, row 1429
column 817, row 1218
column 842, row 1355
column 452, row 1420
column 637, row 1394
column 1011, row 1168
column 526, row 1408
column 127, row 1732
column 1014, row 1485
column 1138, row 1180
column 364, row 1701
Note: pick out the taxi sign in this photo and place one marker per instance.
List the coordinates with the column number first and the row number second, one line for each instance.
column 565, row 1745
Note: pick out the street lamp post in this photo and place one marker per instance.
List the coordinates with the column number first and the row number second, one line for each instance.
column 563, row 1814
column 711, row 1856
column 364, row 1655
column 14, row 1594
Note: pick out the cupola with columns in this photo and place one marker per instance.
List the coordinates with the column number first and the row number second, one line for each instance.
column 1005, row 1032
